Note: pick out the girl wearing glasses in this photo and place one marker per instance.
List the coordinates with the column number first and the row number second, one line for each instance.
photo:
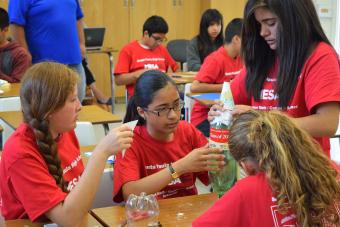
column 209, row 39
column 167, row 154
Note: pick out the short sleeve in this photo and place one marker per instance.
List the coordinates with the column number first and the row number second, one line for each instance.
column 125, row 169
column 238, row 89
column 34, row 187
column 209, row 71
column 322, row 77
column 80, row 13
column 123, row 62
column 17, row 11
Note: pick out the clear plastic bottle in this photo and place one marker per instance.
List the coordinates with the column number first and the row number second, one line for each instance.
column 141, row 210
column 224, row 179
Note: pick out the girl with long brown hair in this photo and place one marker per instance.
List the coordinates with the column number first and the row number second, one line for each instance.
column 42, row 175
column 291, row 182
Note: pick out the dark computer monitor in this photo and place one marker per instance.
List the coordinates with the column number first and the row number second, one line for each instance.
column 94, row 38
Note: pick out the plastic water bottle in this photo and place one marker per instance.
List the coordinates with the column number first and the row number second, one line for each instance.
column 225, row 178
column 141, row 210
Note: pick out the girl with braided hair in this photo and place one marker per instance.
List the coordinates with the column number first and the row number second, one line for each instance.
column 291, row 182
column 42, row 175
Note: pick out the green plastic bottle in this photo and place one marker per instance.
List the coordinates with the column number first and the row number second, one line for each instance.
column 224, row 179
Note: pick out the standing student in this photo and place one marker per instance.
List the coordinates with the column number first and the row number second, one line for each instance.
column 291, row 182
column 146, row 54
column 42, row 174
column 220, row 66
column 290, row 66
column 14, row 59
column 167, row 154
column 51, row 31
column 209, row 39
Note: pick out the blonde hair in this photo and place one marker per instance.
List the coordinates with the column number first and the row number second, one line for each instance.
column 44, row 90
column 295, row 165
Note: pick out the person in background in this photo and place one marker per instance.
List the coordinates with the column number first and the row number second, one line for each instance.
column 51, row 31
column 289, row 66
column 291, row 181
column 14, row 59
column 209, row 39
column 42, row 174
column 220, row 66
column 90, row 81
column 167, row 154
column 145, row 54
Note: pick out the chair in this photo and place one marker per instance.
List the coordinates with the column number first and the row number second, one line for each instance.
column 85, row 133
column 188, row 102
column 178, row 51
column 8, row 104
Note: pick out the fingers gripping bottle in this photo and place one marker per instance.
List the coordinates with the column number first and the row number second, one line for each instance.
column 225, row 178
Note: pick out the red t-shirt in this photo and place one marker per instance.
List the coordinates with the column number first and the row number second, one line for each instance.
column 27, row 188
column 217, row 68
column 318, row 83
column 134, row 57
column 250, row 202
column 147, row 156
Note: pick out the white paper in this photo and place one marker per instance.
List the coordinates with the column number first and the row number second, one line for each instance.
column 131, row 125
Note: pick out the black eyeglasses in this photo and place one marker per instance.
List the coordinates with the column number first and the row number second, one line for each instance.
column 159, row 39
column 166, row 110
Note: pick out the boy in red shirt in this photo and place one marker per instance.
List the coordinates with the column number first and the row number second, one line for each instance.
column 220, row 66
column 145, row 54
column 14, row 59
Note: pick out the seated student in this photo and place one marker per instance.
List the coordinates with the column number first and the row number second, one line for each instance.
column 42, row 174
column 90, row 81
column 14, row 59
column 220, row 66
column 148, row 53
column 209, row 39
column 167, row 154
column 291, row 182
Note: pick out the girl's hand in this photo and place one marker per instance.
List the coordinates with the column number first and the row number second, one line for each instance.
column 240, row 109
column 200, row 159
column 215, row 111
column 116, row 140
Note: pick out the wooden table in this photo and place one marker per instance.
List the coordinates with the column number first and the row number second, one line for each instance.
column 183, row 77
column 108, row 51
column 207, row 102
column 91, row 113
column 179, row 211
column 10, row 90
column 89, row 221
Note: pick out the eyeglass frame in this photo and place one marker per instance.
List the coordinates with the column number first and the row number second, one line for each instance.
column 168, row 109
column 159, row 39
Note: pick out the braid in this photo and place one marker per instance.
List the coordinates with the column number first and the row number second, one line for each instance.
column 44, row 90
column 48, row 149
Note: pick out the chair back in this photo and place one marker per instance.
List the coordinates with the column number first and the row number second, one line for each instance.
column 10, row 104
column 188, row 102
column 85, row 133
column 178, row 50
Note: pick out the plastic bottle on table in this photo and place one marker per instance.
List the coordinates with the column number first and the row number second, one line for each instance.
column 224, row 179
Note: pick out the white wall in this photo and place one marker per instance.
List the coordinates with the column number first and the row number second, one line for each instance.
column 329, row 14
